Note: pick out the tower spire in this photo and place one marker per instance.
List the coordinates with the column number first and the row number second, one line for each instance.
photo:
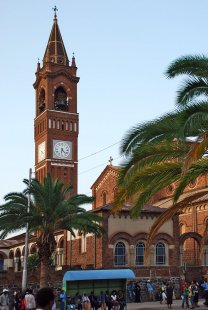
column 55, row 50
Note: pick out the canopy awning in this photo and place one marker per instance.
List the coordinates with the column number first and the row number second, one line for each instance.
column 80, row 275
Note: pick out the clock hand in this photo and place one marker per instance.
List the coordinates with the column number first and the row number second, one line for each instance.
column 62, row 150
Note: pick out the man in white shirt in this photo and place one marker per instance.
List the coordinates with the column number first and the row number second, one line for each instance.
column 29, row 300
column 4, row 300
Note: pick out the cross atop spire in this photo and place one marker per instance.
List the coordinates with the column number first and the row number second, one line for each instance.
column 55, row 50
column 55, row 10
column 110, row 160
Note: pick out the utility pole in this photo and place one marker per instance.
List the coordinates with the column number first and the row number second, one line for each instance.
column 24, row 273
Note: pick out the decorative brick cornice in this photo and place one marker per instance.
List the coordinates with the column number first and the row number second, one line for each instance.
column 163, row 236
column 121, row 235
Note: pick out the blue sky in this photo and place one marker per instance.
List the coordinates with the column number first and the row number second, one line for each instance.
column 122, row 49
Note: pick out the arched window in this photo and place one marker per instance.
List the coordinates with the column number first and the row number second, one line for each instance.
column 60, row 100
column 120, row 254
column 42, row 100
column 160, row 253
column 140, row 247
column 1, row 262
column 104, row 198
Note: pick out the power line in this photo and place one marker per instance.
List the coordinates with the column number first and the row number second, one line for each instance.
column 99, row 151
column 97, row 166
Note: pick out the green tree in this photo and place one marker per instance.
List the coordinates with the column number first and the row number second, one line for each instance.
column 51, row 209
column 159, row 153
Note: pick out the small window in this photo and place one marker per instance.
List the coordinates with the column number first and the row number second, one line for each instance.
column 54, row 123
column 49, row 123
column 62, row 125
column 67, row 126
column 104, row 198
column 160, row 254
column 83, row 243
column 58, row 124
column 75, row 127
column 140, row 247
column 120, row 254
column 71, row 126
column 1, row 263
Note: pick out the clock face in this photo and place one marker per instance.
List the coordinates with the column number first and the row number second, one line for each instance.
column 41, row 151
column 62, row 149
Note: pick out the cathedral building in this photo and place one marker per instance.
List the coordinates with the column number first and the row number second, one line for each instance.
column 56, row 126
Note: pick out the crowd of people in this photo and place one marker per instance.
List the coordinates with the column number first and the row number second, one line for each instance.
column 105, row 300
column 44, row 299
column 190, row 292
column 28, row 300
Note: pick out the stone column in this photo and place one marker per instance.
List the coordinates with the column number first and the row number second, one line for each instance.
column 205, row 257
column 131, row 255
column 152, row 256
column 59, row 255
column 16, row 262
column 181, row 255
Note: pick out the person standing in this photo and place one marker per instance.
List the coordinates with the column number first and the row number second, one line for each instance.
column 4, row 300
column 29, row 300
column 102, row 301
column 62, row 297
column 137, row 291
column 150, row 290
column 17, row 300
column 196, row 294
column 163, row 296
column 191, row 295
column 185, row 296
column 169, row 294
column 205, row 287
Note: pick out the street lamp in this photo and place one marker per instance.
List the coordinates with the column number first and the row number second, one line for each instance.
column 24, row 273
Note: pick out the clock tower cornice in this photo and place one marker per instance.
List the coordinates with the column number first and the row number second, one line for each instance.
column 48, row 74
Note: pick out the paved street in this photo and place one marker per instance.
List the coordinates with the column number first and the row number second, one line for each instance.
column 156, row 305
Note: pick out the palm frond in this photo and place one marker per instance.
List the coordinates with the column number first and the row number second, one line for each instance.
column 145, row 183
column 191, row 65
column 165, row 127
column 197, row 169
column 197, row 150
column 192, row 88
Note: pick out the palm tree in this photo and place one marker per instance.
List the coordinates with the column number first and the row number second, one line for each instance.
column 51, row 209
column 158, row 153
column 192, row 90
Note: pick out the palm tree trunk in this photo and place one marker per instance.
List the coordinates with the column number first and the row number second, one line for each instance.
column 43, row 274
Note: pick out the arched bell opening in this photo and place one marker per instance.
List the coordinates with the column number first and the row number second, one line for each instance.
column 42, row 100
column 60, row 100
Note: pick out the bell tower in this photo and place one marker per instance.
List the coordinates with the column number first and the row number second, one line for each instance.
column 56, row 124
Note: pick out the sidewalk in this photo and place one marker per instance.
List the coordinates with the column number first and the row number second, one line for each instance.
column 156, row 305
